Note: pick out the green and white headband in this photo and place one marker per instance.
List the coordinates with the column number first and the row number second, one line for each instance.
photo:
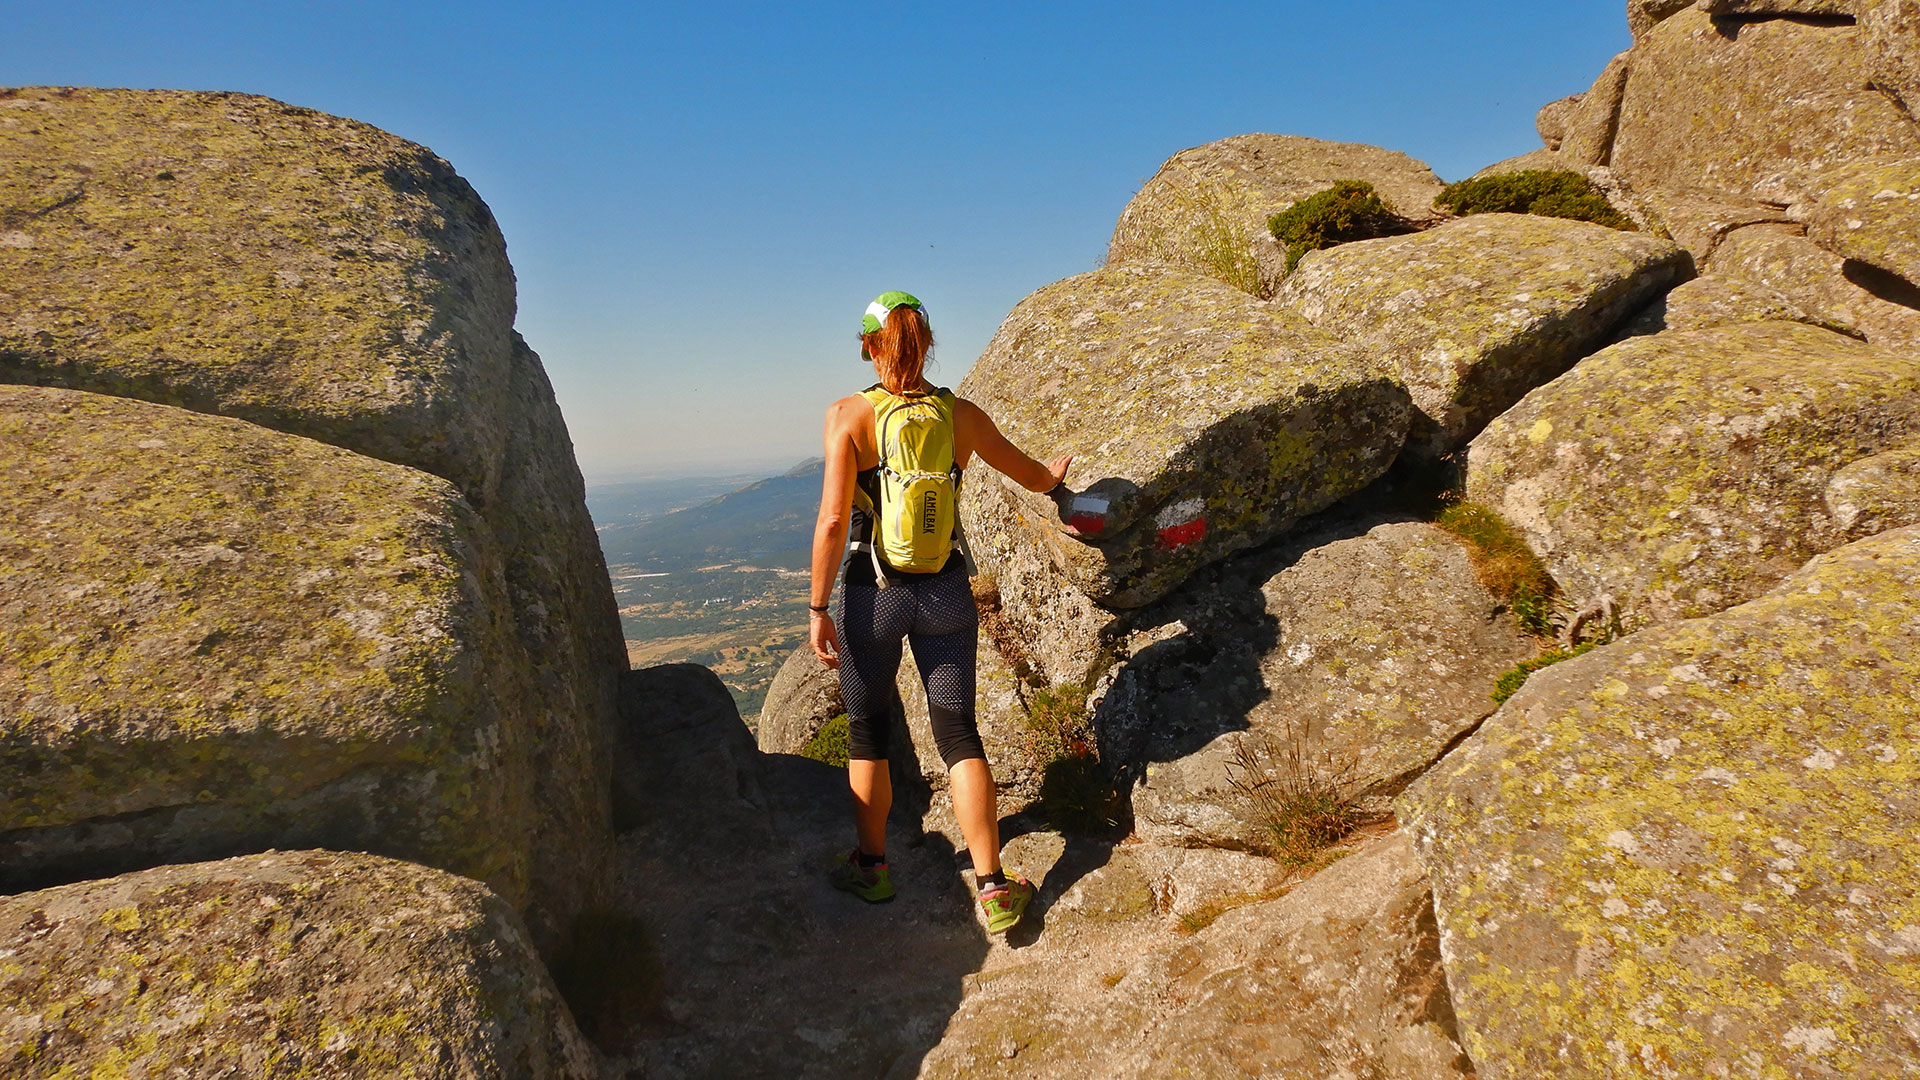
column 876, row 315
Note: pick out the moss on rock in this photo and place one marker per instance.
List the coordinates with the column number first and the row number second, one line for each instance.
column 1560, row 193
column 288, row 964
column 220, row 638
column 1206, row 209
column 1684, row 473
column 1710, row 819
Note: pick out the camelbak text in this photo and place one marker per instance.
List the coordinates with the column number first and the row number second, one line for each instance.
column 928, row 507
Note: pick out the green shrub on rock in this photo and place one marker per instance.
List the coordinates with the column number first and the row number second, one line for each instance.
column 1560, row 193
column 1349, row 210
column 1515, row 677
column 831, row 744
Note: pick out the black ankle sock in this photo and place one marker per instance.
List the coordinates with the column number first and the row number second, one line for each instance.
column 868, row 862
column 989, row 882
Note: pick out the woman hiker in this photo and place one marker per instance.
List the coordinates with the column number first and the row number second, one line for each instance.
column 894, row 455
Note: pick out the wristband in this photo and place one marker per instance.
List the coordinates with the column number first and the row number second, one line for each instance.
column 822, row 608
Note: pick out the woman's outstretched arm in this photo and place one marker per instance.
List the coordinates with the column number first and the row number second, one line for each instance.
column 830, row 528
column 978, row 433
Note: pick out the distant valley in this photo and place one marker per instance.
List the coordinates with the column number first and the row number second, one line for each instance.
column 712, row 570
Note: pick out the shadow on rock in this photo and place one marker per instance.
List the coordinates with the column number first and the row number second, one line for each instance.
column 763, row 969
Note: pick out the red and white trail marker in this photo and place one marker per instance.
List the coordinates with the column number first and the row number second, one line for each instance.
column 1181, row 524
column 1088, row 515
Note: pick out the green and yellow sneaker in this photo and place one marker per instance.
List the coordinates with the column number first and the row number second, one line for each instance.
column 872, row 885
column 1005, row 906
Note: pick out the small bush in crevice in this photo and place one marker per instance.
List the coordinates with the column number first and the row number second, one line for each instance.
column 1349, row 210
column 1303, row 805
column 1560, row 193
column 1515, row 677
column 830, row 744
column 1503, row 563
column 1077, row 795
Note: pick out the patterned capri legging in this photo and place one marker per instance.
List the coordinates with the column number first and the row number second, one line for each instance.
column 936, row 615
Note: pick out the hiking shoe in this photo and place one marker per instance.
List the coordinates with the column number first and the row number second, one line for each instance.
column 873, row 886
column 1005, row 906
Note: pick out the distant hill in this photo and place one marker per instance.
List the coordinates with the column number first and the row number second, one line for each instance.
column 768, row 523
column 631, row 501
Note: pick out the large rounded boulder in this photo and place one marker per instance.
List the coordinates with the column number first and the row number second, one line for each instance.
column 1711, row 819
column 1201, row 422
column 1684, row 473
column 233, row 255
column 1206, row 209
column 220, row 639
column 1473, row 314
column 300, row 963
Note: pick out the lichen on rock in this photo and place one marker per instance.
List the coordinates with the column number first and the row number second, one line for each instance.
column 1749, row 112
column 1206, row 209
column 1693, row 851
column 221, row 638
column 1825, row 287
column 231, row 254
column 1202, row 422
column 1684, row 473
column 1474, row 313
column 285, row 964
column 237, row 256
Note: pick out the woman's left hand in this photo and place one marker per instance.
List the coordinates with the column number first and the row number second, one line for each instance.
column 824, row 639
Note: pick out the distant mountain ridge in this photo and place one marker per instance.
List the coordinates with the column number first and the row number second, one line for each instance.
column 768, row 523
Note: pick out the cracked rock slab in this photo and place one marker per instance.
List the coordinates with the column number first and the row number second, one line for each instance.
column 1340, row 977
column 1351, row 658
column 1692, row 853
column 1474, row 313
column 1685, row 473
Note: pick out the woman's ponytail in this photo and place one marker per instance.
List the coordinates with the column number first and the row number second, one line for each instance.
column 900, row 348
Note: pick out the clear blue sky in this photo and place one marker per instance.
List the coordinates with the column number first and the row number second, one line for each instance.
column 700, row 199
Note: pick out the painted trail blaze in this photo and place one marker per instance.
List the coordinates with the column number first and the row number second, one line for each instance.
column 1181, row 524
column 1088, row 515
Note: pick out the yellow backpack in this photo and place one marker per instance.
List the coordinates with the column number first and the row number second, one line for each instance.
column 916, row 521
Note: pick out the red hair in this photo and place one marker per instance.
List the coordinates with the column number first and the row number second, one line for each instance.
column 899, row 348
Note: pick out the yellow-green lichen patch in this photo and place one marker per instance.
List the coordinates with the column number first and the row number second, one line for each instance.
column 301, row 964
column 220, row 638
column 1687, row 472
column 1203, row 421
column 1697, row 845
column 1473, row 314
column 232, row 254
